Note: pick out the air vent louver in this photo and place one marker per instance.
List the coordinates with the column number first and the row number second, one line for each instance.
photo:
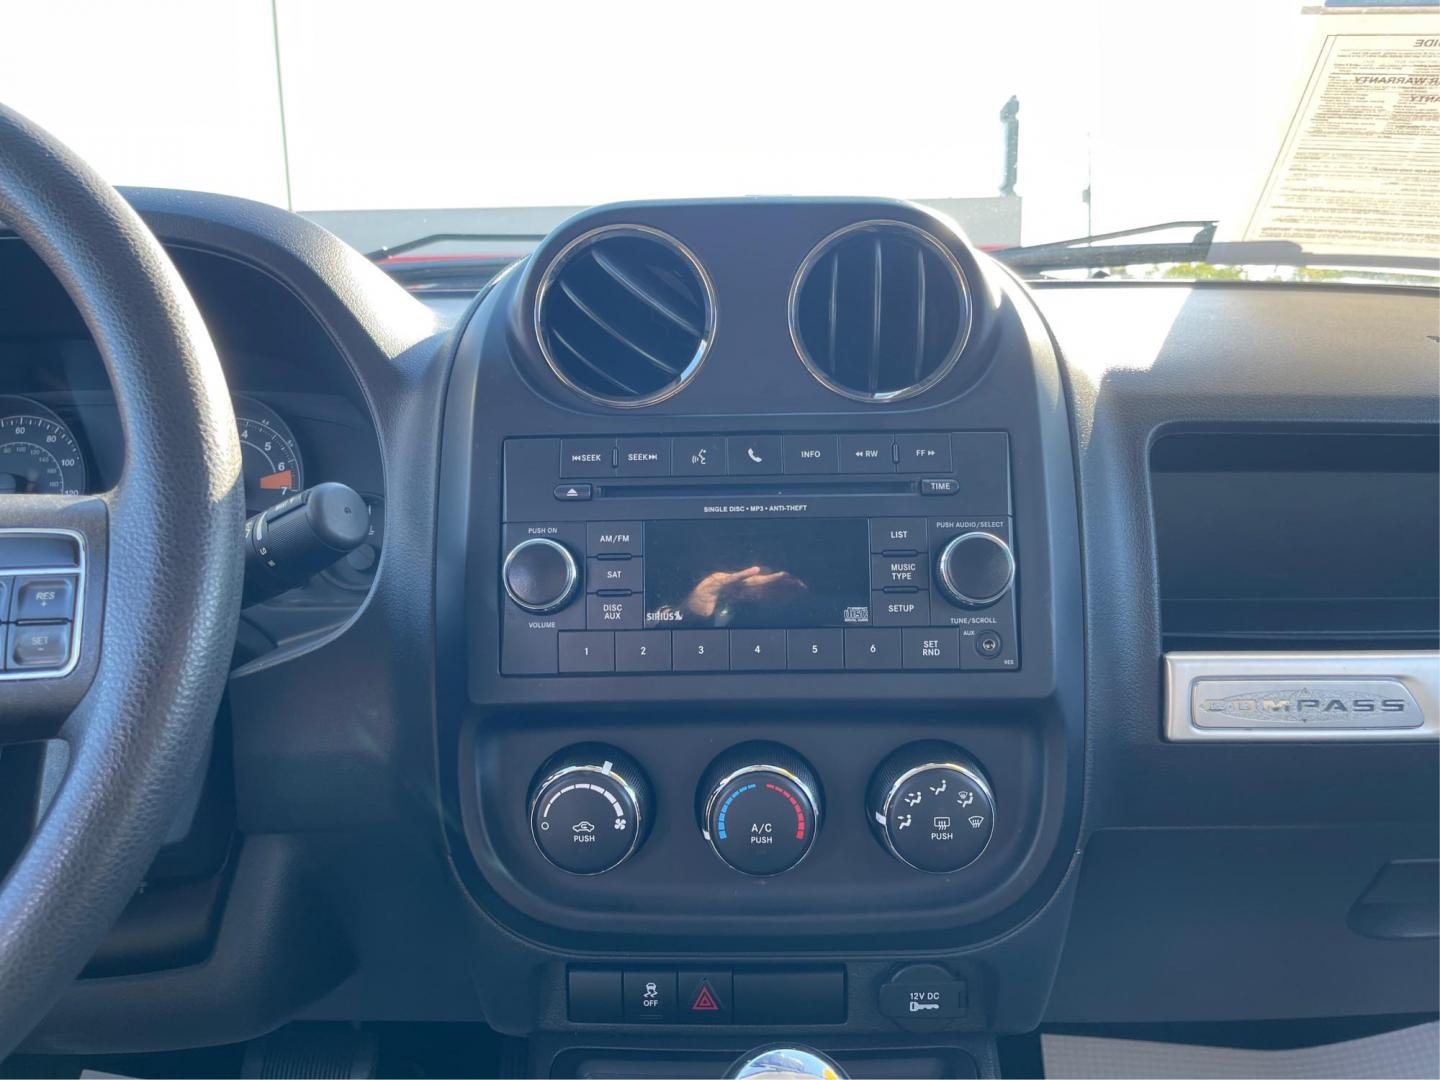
column 879, row 311
column 625, row 315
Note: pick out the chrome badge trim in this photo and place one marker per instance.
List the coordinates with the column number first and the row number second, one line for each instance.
column 1308, row 697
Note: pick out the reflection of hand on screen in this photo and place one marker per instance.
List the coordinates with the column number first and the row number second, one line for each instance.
column 719, row 590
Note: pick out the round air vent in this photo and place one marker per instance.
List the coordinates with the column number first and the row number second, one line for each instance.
column 880, row 311
column 625, row 315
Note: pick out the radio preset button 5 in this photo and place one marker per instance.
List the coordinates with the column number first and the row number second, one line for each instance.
column 816, row 650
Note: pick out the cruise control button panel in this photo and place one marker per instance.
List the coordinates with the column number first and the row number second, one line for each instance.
column 40, row 605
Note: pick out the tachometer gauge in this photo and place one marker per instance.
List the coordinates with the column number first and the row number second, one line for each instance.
column 273, row 468
column 38, row 452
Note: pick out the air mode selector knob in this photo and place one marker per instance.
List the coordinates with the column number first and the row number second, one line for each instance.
column 932, row 807
column 760, row 808
column 975, row 569
column 540, row 575
column 589, row 809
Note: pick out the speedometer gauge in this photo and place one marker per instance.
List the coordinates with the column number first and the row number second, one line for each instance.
column 38, row 452
column 273, row 468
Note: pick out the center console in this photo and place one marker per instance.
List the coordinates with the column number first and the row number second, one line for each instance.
column 762, row 708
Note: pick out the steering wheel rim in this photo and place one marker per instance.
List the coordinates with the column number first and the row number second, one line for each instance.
column 163, row 581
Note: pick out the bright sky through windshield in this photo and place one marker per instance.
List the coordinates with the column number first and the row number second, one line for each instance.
column 1171, row 109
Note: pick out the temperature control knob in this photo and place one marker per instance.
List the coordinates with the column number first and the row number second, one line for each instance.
column 540, row 575
column 761, row 808
column 932, row 807
column 975, row 569
column 589, row 809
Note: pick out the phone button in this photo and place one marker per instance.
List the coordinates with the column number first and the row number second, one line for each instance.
column 756, row 455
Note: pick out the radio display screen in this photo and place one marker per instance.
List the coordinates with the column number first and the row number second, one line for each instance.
column 757, row 573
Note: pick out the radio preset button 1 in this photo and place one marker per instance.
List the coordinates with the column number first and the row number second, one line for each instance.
column 698, row 457
column 816, row 650
column 812, row 454
column 586, row 652
column 587, row 457
column 900, row 608
column 757, row 650
column 701, row 650
column 614, row 538
column 923, row 453
column 648, row 650
column 867, row 454
column 620, row 575
column 872, row 650
column 755, row 455
column 897, row 535
column 643, row 457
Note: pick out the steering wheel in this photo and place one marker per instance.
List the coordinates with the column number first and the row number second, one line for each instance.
column 158, row 574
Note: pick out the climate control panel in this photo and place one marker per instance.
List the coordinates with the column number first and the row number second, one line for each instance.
column 760, row 807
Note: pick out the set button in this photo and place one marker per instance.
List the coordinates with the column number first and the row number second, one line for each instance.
column 39, row 611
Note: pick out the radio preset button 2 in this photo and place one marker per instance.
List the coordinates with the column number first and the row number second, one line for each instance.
column 648, row 650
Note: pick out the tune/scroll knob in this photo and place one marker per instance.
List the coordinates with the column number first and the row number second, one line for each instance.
column 932, row 807
column 589, row 809
column 540, row 575
column 975, row 569
column 761, row 808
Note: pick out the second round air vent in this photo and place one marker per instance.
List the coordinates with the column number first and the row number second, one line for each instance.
column 625, row 315
column 880, row 311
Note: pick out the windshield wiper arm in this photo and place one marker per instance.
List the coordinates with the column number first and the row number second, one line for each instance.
column 444, row 237
column 1085, row 252
column 1091, row 252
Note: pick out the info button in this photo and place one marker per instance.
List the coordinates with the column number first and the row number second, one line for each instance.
column 812, row 454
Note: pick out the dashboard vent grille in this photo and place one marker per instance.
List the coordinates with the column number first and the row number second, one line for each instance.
column 625, row 315
column 880, row 311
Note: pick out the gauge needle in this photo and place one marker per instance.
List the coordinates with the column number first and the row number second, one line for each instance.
column 277, row 480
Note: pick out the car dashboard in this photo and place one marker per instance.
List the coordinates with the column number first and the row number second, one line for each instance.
column 773, row 624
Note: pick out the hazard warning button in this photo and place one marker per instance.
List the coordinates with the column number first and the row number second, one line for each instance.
column 704, row 998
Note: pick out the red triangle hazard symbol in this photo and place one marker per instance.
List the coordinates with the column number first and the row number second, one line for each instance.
column 705, row 1000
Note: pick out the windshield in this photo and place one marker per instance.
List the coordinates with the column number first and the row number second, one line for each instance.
column 1028, row 123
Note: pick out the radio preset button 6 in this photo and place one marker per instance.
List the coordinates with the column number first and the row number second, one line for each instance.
column 872, row 650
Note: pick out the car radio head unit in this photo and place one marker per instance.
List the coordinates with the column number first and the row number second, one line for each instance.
column 758, row 553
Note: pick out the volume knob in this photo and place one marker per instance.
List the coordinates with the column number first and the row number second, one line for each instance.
column 540, row 575
column 975, row 569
